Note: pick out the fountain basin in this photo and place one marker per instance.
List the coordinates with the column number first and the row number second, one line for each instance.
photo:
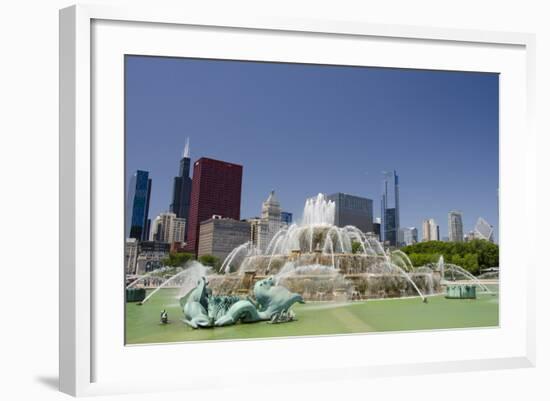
column 457, row 291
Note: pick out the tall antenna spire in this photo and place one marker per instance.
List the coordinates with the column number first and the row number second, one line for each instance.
column 186, row 149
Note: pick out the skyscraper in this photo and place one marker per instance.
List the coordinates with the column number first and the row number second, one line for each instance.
column 168, row 228
column 484, row 230
column 137, row 206
column 216, row 190
column 430, row 230
column 263, row 229
column 181, row 193
column 408, row 236
column 390, row 215
column 351, row 210
column 271, row 216
column 456, row 233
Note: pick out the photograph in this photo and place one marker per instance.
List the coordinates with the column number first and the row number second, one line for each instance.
column 272, row 199
column 254, row 200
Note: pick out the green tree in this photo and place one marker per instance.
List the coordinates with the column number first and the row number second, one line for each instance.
column 210, row 260
column 472, row 256
column 177, row 259
column 470, row 263
column 456, row 260
column 420, row 259
column 355, row 247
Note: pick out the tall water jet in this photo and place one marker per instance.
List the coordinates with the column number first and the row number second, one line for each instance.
column 318, row 211
column 441, row 266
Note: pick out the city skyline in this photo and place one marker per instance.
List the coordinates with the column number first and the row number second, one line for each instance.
column 425, row 191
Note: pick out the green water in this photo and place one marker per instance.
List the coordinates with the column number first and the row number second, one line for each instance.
column 143, row 322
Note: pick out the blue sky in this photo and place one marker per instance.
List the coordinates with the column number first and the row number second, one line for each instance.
column 305, row 129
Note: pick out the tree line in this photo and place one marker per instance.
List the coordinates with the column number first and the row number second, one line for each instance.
column 179, row 259
column 472, row 255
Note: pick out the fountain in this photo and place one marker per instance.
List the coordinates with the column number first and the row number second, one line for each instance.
column 313, row 260
column 451, row 273
column 320, row 262
column 316, row 259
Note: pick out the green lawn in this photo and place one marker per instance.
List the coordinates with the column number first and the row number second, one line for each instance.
column 143, row 326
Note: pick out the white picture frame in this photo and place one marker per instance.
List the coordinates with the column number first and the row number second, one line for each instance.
column 85, row 157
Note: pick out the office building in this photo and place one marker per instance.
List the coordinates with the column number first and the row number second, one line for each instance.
column 130, row 255
column 181, row 192
column 271, row 219
column 372, row 236
column 177, row 247
column 147, row 231
column 376, row 228
column 456, row 233
column 470, row 236
column 219, row 236
column 137, row 206
column 216, row 190
column 168, row 228
column 151, row 255
column 286, row 218
column 430, row 230
column 484, row 230
column 390, row 214
column 256, row 231
column 408, row 236
column 351, row 210
column 263, row 229
column 390, row 229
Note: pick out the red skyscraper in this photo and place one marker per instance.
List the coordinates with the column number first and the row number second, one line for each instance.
column 216, row 190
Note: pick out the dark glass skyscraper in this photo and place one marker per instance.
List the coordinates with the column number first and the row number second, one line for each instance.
column 390, row 215
column 137, row 206
column 216, row 191
column 181, row 193
column 390, row 232
column 351, row 210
